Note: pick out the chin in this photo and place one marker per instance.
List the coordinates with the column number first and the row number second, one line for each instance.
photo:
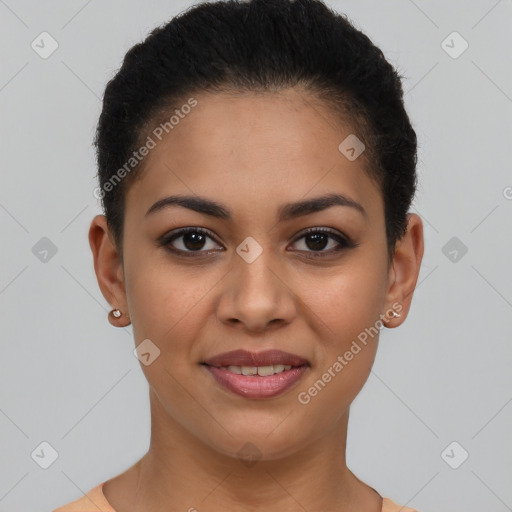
column 250, row 442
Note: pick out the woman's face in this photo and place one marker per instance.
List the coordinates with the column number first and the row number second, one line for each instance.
column 255, row 281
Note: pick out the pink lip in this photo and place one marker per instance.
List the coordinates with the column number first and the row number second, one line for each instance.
column 265, row 358
column 254, row 386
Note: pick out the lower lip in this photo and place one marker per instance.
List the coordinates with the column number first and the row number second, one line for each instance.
column 254, row 386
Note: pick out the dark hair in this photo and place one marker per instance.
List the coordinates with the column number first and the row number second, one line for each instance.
column 260, row 46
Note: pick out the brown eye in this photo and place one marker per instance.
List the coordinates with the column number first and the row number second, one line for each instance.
column 317, row 240
column 189, row 240
column 193, row 241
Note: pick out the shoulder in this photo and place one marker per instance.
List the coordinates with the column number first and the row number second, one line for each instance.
column 93, row 501
column 389, row 505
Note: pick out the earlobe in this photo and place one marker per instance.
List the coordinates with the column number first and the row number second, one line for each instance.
column 405, row 269
column 117, row 319
column 108, row 268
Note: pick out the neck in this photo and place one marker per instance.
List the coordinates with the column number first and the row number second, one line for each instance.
column 181, row 471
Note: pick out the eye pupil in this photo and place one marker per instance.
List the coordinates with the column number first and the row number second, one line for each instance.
column 193, row 241
column 320, row 241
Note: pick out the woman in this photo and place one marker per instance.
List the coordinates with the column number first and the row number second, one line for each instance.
column 256, row 167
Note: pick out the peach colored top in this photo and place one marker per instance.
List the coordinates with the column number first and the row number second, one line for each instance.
column 95, row 501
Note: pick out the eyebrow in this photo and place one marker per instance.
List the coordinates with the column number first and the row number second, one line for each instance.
column 286, row 212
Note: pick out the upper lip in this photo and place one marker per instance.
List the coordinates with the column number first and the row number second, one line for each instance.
column 265, row 358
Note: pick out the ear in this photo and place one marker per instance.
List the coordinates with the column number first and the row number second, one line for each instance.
column 404, row 270
column 109, row 269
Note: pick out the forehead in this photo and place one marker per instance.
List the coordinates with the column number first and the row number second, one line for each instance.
column 254, row 147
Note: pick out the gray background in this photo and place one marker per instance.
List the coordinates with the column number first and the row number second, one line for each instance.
column 68, row 378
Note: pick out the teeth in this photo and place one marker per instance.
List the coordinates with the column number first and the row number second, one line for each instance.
column 262, row 371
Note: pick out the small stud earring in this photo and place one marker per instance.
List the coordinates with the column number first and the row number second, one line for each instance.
column 396, row 315
column 116, row 313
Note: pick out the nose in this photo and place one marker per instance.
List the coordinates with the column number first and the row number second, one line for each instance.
column 256, row 296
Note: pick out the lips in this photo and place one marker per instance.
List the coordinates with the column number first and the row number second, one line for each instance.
column 257, row 375
column 265, row 358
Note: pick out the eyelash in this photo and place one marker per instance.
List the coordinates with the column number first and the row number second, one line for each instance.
column 343, row 241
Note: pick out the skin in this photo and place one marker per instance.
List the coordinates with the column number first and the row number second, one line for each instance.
column 252, row 153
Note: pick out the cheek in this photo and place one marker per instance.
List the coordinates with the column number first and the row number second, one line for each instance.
column 348, row 299
column 348, row 335
column 165, row 302
column 346, row 307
